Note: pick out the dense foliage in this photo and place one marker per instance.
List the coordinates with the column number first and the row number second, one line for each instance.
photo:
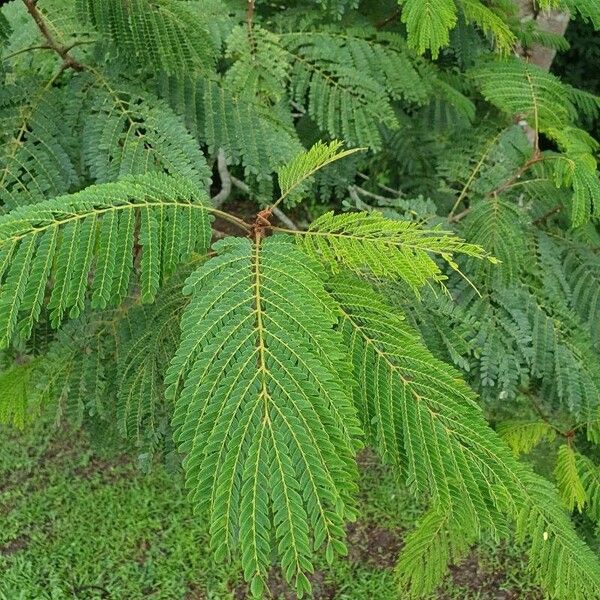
column 435, row 296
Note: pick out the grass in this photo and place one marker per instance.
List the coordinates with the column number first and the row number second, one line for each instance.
column 78, row 524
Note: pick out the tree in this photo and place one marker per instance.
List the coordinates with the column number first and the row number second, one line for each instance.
column 270, row 357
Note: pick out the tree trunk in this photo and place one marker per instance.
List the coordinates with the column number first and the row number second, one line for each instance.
column 553, row 21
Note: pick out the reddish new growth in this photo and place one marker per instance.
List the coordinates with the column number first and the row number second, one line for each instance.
column 261, row 224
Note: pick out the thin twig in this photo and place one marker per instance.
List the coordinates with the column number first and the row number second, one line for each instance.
column 459, row 216
column 28, row 49
column 472, row 176
column 397, row 193
column 510, row 182
column 368, row 194
column 536, row 158
column 63, row 51
column 545, row 216
column 284, row 218
column 388, row 20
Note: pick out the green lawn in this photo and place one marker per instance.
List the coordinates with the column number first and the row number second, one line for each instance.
column 77, row 524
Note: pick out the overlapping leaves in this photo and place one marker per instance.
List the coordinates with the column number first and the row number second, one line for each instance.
column 100, row 232
column 423, row 418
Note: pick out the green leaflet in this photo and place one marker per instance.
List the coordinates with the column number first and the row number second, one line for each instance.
column 65, row 237
column 425, row 421
column 344, row 102
column 34, row 159
column 588, row 9
column 440, row 539
column 524, row 436
column 105, row 370
column 260, row 66
column 163, row 34
column 289, row 354
column 497, row 227
column 568, row 480
column 589, row 474
column 524, row 89
column 417, row 412
column 547, row 106
column 132, row 133
column 141, row 411
column 393, row 249
column 15, row 408
column 428, row 23
column 260, row 381
column 294, row 175
column 491, row 22
column 250, row 134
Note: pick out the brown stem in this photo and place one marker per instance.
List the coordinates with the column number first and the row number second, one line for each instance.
column 570, row 436
column 461, row 215
column 261, row 225
column 545, row 216
column 388, row 20
column 63, row 51
column 537, row 157
column 538, row 409
column 250, row 14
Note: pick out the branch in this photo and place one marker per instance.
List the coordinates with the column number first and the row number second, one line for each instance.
column 545, row 216
column 63, row 51
column 459, row 216
column 228, row 180
column 225, row 180
column 536, row 158
column 250, row 14
column 241, row 185
column 388, row 20
column 354, row 196
column 368, row 194
column 396, row 193
column 284, row 218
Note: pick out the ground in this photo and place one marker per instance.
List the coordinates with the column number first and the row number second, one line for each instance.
column 81, row 525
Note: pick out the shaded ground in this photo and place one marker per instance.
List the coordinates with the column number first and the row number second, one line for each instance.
column 79, row 525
